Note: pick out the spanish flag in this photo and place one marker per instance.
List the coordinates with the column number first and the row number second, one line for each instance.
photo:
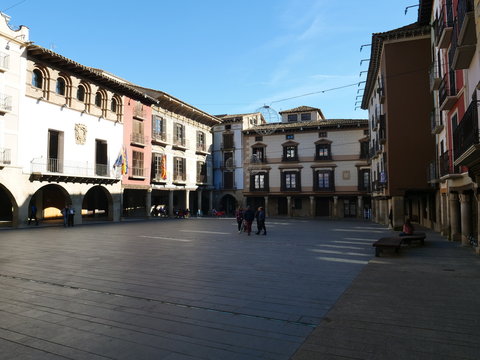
column 164, row 167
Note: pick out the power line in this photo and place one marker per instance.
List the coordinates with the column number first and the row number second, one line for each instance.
column 18, row 3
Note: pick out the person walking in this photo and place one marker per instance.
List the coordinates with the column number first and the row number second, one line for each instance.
column 248, row 216
column 71, row 215
column 239, row 216
column 260, row 216
column 33, row 215
column 65, row 215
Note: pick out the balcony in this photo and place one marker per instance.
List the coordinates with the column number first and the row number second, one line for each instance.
column 466, row 23
column 202, row 148
column 137, row 139
column 255, row 159
column 435, row 77
column 447, row 93
column 432, row 173
column 228, row 145
column 444, row 26
column 382, row 129
column 159, row 138
column 5, row 103
column 436, row 122
column 181, row 143
column 179, row 178
column 138, row 111
column 58, row 170
column 460, row 55
column 466, row 142
column 5, row 156
column 4, row 62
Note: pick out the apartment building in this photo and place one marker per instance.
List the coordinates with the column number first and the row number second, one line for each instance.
column 229, row 161
column 401, row 144
column 308, row 166
column 13, row 42
column 455, row 76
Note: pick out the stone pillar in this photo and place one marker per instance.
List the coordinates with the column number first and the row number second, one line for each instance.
column 199, row 202
column 335, row 206
column 267, row 212
column 398, row 212
column 210, row 200
column 170, row 203
column 289, row 206
column 148, row 202
column 312, row 206
column 360, row 207
column 454, row 229
column 77, row 201
column 187, row 199
column 38, row 200
column 383, row 212
column 465, row 217
column 444, row 216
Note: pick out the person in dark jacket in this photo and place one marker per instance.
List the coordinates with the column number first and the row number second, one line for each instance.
column 260, row 216
column 248, row 216
column 239, row 216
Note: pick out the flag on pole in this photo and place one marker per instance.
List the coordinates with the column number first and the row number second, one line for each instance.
column 164, row 167
column 122, row 161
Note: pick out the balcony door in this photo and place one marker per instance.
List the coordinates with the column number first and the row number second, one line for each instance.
column 55, row 151
column 101, row 158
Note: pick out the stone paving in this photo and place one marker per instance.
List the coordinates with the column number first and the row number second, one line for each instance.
column 178, row 289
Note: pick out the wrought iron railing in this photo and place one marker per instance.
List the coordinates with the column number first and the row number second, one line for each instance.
column 137, row 138
column 71, row 168
column 101, row 169
column 466, row 133
column 447, row 88
column 159, row 136
column 445, row 19
column 432, row 173
column 5, row 156
column 445, row 164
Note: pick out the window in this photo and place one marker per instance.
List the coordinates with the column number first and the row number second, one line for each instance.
column 159, row 168
column 201, row 172
column 290, row 153
column 364, row 180
column 81, row 93
column 306, row 117
column 137, row 164
column 324, row 180
column 179, row 169
column 228, row 127
column 60, row 87
column 364, row 150
column 137, row 132
column 322, row 152
column 289, row 136
column 228, row 180
column 258, row 138
column 113, row 105
column 258, row 155
column 55, row 151
column 201, row 145
column 228, row 160
column 179, row 135
column 37, row 79
column 101, row 158
column 290, row 181
column 259, row 182
column 228, row 141
column 98, row 99
column 158, row 128
column 292, row 117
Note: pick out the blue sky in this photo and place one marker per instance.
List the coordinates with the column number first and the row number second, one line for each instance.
column 224, row 57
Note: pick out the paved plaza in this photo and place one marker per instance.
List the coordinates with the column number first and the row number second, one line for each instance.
column 196, row 289
column 173, row 289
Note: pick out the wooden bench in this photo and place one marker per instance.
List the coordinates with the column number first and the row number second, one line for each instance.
column 387, row 243
column 415, row 237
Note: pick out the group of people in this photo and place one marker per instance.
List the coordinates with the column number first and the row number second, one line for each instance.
column 245, row 219
column 68, row 213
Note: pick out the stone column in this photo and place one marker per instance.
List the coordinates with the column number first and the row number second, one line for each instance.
column 267, row 212
column 210, row 200
column 199, row 202
column 335, row 206
column 77, row 201
column 444, row 217
column 187, row 199
column 148, row 202
column 170, row 203
column 454, row 229
column 465, row 217
column 398, row 212
column 360, row 207
column 289, row 206
column 312, row 206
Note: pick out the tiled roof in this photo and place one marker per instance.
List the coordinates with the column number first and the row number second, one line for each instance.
column 314, row 124
column 408, row 31
column 299, row 109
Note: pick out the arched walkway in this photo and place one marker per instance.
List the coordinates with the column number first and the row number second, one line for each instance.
column 97, row 205
column 49, row 201
column 8, row 207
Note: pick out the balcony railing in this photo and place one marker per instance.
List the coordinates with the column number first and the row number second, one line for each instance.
column 137, row 138
column 70, row 168
column 466, row 23
column 4, row 61
column 5, row 156
column 181, row 142
column 201, row 147
column 445, row 164
column 382, row 129
column 159, row 136
column 228, row 145
column 444, row 28
column 435, row 76
column 432, row 172
column 436, row 122
column 466, row 135
column 447, row 93
column 179, row 177
column 255, row 159
column 460, row 56
column 138, row 111
column 5, row 103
